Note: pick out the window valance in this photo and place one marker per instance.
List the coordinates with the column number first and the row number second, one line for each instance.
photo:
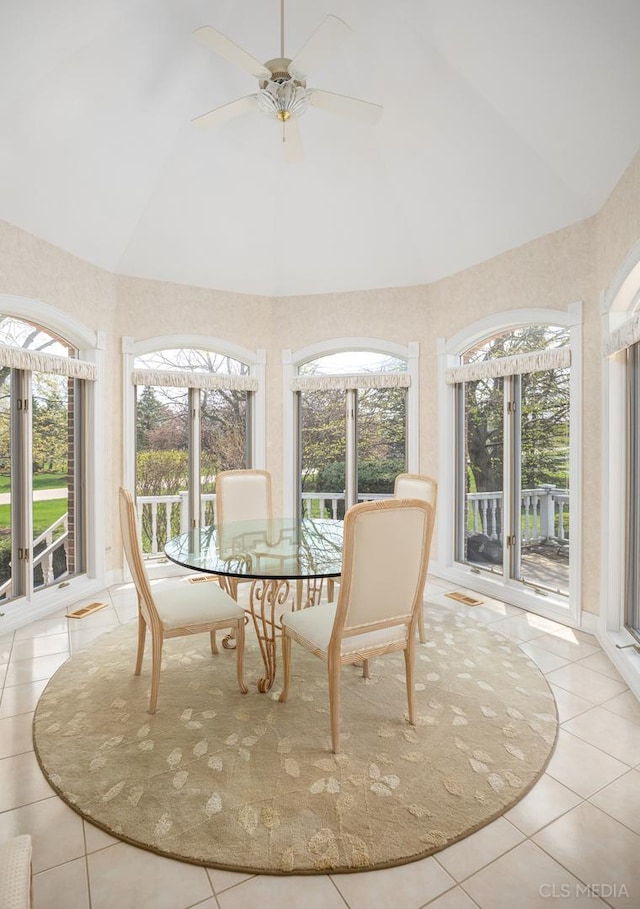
column 177, row 379
column 623, row 336
column 556, row 358
column 36, row 361
column 342, row 383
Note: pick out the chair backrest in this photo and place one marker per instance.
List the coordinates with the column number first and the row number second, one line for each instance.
column 384, row 564
column 416, row 486
column 243, row 495
column 133, row 554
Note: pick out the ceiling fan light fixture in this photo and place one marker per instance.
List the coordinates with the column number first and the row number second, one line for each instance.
column 283, row 100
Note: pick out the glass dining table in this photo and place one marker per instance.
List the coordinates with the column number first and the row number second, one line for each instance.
column 286, row 561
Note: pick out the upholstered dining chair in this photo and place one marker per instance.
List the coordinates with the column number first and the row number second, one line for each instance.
column 177, row 609
column 241, row 495
column 418, row 486
column 384, row 565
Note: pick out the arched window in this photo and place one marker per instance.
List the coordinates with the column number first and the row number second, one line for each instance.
column 513, row 515
column 47, row 417
column 349, row 409
column 194, row 416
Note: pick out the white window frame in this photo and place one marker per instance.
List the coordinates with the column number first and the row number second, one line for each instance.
column 255, row 360
column 291, row 362
column 450, row 353
column 91, row 347
column 618, row 303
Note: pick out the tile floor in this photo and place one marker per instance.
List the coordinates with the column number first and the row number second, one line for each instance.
column 574, row 840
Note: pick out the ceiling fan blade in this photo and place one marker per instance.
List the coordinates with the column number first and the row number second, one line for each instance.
column 349, row 107
column 291, row 140
column 227, row 112
column 323, row 42
column 230, row 51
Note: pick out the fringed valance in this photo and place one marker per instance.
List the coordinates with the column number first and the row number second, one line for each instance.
column 556, row 358
column 623, row 336
column 194, row 380
column 342, row 383
column 35, row 361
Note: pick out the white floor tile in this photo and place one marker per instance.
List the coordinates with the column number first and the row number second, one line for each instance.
column 475, row 851
column 55, row 829
column 590, row 685
column 568, row 704
column 598, row 850
column 569, row 647
column 581, row 767
column 403, row 887
column 618, row 737
column 21, row 698
column 62, row 887
column 16, row 735
column 544, row 659
column 296, row 892
column 621, row 800
column 42, row 646
column 547, row 801
column 128, row 878
column 21, row 781
column 600, row 662
column 527, row 878
column 222, row 880
column 625, row 705
column 33, row 670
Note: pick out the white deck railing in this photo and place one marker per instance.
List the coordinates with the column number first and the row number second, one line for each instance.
column 543, row 513
column 542, row 510
column 45, row 558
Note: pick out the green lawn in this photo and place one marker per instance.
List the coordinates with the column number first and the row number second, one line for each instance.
column 44, row 514
column 49, row 479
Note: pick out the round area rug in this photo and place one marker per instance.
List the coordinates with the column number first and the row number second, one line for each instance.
column 245, row 783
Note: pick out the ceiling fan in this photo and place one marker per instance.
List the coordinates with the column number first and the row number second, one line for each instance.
column 283, row 93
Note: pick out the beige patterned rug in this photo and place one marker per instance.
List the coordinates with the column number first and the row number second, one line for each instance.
column 248, row 784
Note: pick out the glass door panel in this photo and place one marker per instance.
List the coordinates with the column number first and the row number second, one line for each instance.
column 541, row 555
column 5, row 484
column 323, row 452
column 224, row 440
column 162, row 463
column 381, row 445
column 482, row 483
column 52, row 451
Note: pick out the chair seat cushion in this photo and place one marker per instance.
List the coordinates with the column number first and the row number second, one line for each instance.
column 180, row 603
column 312, row 628
column 15, row 873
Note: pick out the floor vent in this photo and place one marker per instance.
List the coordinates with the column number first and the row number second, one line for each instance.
column 464, row 598
column 86, row 610
column 202, row 579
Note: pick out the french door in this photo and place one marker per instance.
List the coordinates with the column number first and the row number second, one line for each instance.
column 512, row 490
column 351, row 446
column 42, row 492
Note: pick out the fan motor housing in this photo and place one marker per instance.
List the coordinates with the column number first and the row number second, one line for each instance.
column 279, row 69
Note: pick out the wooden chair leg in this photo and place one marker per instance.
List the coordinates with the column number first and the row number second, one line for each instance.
column 156, row 662
column 421, row 631
column 365, row 669
column 142, row 632
column 286, row 666
column 239, row 630
column 409, row 660
column 334, row 667
column 214, row 645
column 331, row 589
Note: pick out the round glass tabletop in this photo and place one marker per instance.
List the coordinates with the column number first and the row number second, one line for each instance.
column 279, row 548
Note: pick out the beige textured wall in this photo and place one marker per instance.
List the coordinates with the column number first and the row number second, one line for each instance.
column 37, row 270
column 618, row 224
column 551, row 272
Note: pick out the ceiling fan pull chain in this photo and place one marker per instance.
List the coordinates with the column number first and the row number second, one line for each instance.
column 282, row 30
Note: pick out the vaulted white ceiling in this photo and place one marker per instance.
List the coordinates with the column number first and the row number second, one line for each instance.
column 503, row 120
